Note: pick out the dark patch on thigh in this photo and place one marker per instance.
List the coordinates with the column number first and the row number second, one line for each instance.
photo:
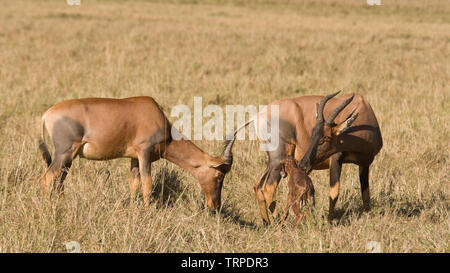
column 271, row 176
column 286, row 134
column 65, row 132
column 287, row 131
column 272, row 173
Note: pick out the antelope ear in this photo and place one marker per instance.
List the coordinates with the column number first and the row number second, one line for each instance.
column 223, row 167
column 283, row 169
column 341, row 128
column 317, row 110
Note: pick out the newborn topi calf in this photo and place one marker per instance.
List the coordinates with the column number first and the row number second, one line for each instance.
column 301, row 189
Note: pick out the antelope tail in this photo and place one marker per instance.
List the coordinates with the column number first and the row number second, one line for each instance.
column 43, row 147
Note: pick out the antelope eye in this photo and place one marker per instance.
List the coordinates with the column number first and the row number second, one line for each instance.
column 321, row 141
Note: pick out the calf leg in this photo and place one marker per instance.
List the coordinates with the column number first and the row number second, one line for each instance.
column 297, row 211
column 311, row 201
column 297, row 200
column 286, row 211
column 292, row 201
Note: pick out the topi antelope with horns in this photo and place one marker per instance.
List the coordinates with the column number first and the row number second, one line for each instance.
column 135, row 128
column 334, row 142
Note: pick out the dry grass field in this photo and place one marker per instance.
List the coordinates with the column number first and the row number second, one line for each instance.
column 396, row 55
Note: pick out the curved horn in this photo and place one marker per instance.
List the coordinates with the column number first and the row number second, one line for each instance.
column 333, row 115
column 322, row 106
column 228, row 151
column 308, row 158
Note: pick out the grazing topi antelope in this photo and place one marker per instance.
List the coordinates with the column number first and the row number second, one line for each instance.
column 338, row 143
column 136, row 128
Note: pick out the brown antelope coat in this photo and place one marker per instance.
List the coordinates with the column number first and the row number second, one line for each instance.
column 136, row 128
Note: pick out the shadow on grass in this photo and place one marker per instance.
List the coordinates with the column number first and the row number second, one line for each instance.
column 389, row 205
column 227, row 213
column 167, row 188
column 345, row 215
column 232, row 214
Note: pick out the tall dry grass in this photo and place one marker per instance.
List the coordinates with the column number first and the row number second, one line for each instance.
column 228, row 52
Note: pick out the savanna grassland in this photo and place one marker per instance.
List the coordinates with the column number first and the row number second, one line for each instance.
column 228, row 52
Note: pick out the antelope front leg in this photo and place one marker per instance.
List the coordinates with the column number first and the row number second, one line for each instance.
column 134, row 180
column 364, row 181
column 146, row 188
column 146, row 177
column 335, row 175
